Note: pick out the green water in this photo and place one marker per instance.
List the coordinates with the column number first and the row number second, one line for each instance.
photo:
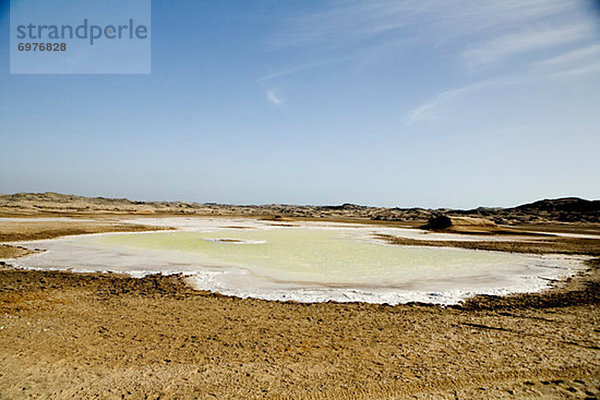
column 332, row 257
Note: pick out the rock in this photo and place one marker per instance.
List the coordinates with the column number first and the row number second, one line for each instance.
column 439, row 222
column 461, row 224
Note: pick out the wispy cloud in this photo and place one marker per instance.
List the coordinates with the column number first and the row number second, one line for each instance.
column 583, row 54
column 273, row 98
column 356, row 29
column 292, row 70
column 575, row 71
column 359, row 20
column 525, row 41
column 283, row 72
column 533, row 74
column 426, row 110
column 477, row 33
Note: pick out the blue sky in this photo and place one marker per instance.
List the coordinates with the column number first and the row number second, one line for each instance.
column 394, row 103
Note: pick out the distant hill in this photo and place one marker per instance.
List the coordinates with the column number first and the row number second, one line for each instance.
column 59, row 197
column 568, row 209
column 566, row 204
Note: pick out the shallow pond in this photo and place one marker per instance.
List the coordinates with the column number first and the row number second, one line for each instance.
column 305, row 263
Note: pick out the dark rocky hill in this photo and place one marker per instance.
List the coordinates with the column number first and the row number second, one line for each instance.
column 567, row 209
column 567, row 204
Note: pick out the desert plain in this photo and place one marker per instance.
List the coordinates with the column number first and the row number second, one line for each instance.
column 106, row 335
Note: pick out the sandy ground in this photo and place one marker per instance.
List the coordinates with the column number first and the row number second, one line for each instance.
column 65, row 335
column 540, row 245
column 21, row 229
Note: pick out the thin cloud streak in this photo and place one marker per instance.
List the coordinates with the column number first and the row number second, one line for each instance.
column 357, row 21
column 273, row 98
column 284, row 72
column 584, row 53
column 293, row 70
column 477, row 33
column 426, row 110
column 509, row 45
